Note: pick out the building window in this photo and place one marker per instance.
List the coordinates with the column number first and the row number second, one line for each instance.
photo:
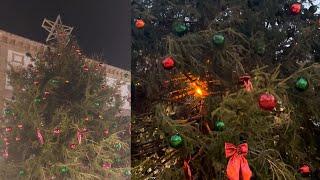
column 7, row 99
column 17, row 58
column 8, row 84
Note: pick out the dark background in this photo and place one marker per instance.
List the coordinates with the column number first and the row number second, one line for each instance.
column 102, row 27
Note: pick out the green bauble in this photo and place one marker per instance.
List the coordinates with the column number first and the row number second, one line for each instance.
column 118, row 146
column 219, row 125
column 302, row 84
column 37, row 100
column 117, row 160
column 114, row 125
column 176, row 141
column 64, row 170
column 127, row 172
column 22, row 173
column 97, row 104
column 218, row 39
column 54, row 81
column 7, row 112
column 179, row 28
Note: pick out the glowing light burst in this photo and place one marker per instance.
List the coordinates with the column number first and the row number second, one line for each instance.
column 200, row 91
column 187, row 85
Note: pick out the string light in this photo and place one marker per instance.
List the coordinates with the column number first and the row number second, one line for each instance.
column 199, row 91
column 195, row 87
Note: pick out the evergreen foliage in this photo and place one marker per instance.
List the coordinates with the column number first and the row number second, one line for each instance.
column 262, row 39
column 66, row 100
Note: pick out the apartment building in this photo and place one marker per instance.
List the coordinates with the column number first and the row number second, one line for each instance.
column 13, row 49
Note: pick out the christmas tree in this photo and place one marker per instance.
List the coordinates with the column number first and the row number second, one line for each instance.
column 225, row 89
column 63, row 122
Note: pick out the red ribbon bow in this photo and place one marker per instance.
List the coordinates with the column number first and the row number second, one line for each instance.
column 187, row 169
column 238, row 167
column 246, row 80
column 40, row 137
column 81, row 135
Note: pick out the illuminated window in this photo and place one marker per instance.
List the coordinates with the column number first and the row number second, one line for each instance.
column 17, row 58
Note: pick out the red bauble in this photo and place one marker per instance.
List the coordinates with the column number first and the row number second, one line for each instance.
column 8, row 129
column 168, row 63
column 85, row 68
column 73, row 146
column 84, row 130
column 267, row 102
column 106, row 132
column 56, row 131
column 140, row 24
column 5, row 154
column 106, row 165
column 46, row 93
column 18, row 138
column 296, row 8
column 304, row 170
column 20, row 126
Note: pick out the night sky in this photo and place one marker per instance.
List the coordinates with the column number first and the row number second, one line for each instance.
column 101, row 26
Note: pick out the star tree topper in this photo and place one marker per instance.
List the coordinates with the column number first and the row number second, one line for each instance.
column 57, row 31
